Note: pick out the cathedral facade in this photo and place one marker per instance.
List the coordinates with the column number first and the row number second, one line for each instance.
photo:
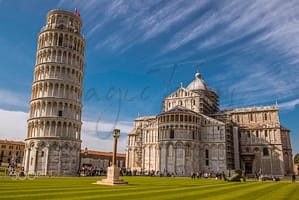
column 192, row 134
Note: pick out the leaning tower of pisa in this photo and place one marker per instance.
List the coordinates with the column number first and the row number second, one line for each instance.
column 53, row 143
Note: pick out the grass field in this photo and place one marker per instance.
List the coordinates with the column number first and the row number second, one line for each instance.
column 146, row 188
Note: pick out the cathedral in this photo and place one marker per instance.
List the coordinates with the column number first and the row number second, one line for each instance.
column 192, row 134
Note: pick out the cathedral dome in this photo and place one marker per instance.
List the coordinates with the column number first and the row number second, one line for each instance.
column 198, row 83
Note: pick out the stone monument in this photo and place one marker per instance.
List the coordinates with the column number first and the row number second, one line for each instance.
column 113, row 171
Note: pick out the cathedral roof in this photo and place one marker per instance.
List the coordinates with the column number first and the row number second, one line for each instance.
column 179, row 109
column 198, row 83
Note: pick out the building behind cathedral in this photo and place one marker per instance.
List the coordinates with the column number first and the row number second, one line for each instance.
column 193, row 135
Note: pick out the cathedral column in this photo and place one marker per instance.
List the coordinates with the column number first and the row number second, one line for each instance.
column 55, row 130
column 127, row 158
column 133, row 154
column 46, row 159
column 165, row 157
column 184, row 160
column 143, row 160
column 156, row 158
column 59, row 160
column 174, row 158
column 149, row 157
column 67, row 131
column 271, row 160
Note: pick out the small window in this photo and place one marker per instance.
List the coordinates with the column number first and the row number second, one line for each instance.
column 248, row 134
column 207, row 153
column 43, row 153
column 3, row 146
column 60, row 40
column 266, row 133
column 265, row 116
column 266, row 151
column 9, row 153
column 207, row 162
column 60, row 113
column 257, row 133
column 251, row 117
column 193, row 135
column 171, row 134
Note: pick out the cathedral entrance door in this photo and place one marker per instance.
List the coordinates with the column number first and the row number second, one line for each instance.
column 248, row 167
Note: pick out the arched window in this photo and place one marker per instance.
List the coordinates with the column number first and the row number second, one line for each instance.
column 181, row 118
column 60, row 40
column 193, row 102
column 188, row 150
column 251, row 117
column 265, row 151
column 171, row 136
column 207, row 157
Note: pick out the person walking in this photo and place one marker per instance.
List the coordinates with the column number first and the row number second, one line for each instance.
column 293, row 178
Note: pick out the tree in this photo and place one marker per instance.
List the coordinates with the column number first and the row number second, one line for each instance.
column 296, row 158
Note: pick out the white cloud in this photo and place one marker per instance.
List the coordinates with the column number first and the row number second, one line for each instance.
column 13, row 125
column 169, row 15
column 12, row 98
column 94, row 135
column 289, row 105
column 269, row 29
column 94, row 143
column 97, row 135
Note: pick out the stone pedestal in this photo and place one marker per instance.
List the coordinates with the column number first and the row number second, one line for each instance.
column 112, row 177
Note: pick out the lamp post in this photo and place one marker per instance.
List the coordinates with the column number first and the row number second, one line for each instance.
column 115, row 135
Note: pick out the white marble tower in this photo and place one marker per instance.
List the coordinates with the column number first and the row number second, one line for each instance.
column 53, row 139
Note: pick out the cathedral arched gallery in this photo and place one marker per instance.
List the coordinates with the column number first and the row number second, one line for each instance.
column 192, row 134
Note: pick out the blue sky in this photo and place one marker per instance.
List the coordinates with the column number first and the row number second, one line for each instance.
column 137, row 52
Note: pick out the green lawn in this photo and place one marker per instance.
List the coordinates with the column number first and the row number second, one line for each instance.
column 146, row 188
